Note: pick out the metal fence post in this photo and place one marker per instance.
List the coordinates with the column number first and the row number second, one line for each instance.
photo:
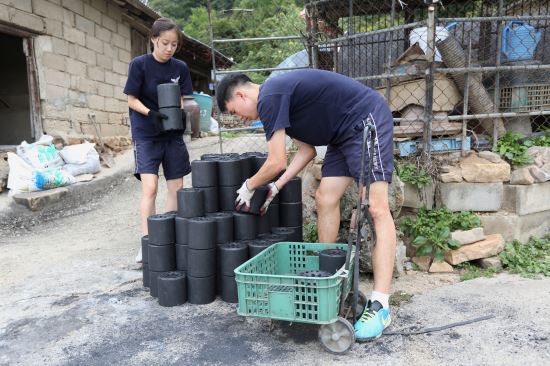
column 428, row 108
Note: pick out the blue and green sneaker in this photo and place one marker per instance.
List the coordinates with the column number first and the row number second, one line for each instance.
column 373, row 321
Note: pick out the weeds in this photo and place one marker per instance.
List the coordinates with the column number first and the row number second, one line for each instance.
column 430, row 230
column 310, row 233
column 410, row 173
column 513, row 146
column 470, row 271
column 528, row 260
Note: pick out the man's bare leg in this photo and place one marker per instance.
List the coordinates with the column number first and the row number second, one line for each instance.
column 327, row 198
column 383, row 254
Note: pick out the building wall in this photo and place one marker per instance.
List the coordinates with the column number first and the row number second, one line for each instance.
column 82, row 61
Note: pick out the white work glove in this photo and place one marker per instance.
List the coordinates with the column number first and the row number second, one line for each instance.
column 244, row 195
column 273, row 190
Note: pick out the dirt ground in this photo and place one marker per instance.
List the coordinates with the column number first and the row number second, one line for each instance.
column 71, row 294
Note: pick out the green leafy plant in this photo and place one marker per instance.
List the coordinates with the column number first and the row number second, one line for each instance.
column 469, row 271
column 512, row 147
column 430, row 230
column 530, row 259
column 409, row 173
column 542, row 140
column 310, row 233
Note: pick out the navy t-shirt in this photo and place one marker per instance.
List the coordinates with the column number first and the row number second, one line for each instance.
column 314, row 106
column 144, row 74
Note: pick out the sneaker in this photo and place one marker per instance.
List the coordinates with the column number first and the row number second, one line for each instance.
column 373, row 321
column 138, row 256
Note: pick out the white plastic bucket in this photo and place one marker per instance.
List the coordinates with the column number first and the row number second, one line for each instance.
column 420, row 35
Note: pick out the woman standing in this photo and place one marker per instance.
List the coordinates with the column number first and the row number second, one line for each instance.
column 153, row 146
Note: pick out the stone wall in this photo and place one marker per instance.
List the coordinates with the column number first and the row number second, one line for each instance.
column 82, row 58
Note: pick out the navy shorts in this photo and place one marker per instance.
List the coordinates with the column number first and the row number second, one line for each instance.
column 172, row 154
column 344, row 159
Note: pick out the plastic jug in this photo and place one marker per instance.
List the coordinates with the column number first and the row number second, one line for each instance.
column 519, row 40
column 420, row 35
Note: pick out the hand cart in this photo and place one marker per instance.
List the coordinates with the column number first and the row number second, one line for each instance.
column 269, row 285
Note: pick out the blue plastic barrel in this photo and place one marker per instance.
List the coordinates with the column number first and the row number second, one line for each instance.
column 205, row 104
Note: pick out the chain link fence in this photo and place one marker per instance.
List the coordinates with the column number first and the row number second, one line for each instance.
column 457, row 74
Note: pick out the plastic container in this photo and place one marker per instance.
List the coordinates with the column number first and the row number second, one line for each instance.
column 268, row 285
column 519, row 41
column 420, row 35
column 205, row 104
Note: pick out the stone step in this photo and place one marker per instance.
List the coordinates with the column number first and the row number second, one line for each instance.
column 516, row 227
column 489, row 247
column 35, row 201
column 468, row 236
column 526, row 199
column 483, row 197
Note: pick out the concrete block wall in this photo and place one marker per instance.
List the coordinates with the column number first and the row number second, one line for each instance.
column 82, row 59
column 514, row 211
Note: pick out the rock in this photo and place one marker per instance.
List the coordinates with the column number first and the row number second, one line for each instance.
column 400, row 256
column 453, row 175
column 491, row 156
column 468, row 236
column 315, row 170
column 113, row 143
column 396, row 195
column 540, row 155
column 309, row 187
column 125, row 141
column 477, row 170
column 417, row 198
column 74, row 140
column 37, row 200
column 365, row 259
column 446, row 168
column 491, row 262
column 522, row 176
column 84, row 178
column 423, row 262
column 540, row 175
column 489, row 247
column 440, row 267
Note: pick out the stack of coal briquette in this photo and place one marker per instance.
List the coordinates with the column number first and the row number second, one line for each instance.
column 190, row 255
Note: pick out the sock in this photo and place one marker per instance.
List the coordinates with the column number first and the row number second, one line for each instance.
column 382, row 298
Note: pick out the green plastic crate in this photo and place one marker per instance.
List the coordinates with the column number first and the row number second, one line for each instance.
column 268, row 285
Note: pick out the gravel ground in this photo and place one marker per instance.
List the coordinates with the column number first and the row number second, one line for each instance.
column 70, row 294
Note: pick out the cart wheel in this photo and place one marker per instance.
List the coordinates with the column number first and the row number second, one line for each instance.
column 337, row 337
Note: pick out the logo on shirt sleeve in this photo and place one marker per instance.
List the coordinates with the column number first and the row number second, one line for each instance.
column 176, row 80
